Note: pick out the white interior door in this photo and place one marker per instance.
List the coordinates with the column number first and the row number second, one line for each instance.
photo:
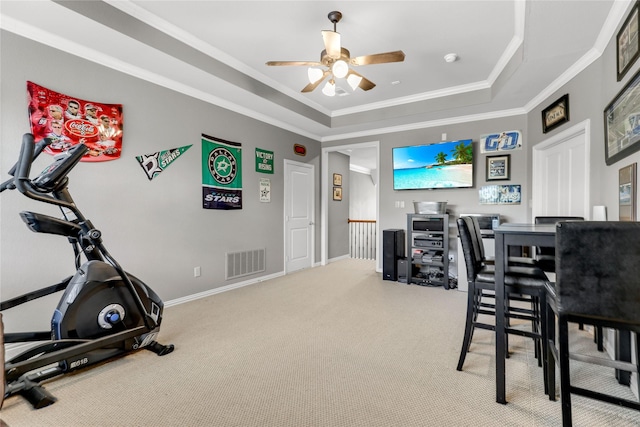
column 298, row 215
column 560, row 176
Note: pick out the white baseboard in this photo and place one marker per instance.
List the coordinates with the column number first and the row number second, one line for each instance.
column 215, row 291
column 339, row 258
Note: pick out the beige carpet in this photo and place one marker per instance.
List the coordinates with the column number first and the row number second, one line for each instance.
column 329, row 346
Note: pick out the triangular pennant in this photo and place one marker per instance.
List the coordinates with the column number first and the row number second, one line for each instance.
column 154, row 164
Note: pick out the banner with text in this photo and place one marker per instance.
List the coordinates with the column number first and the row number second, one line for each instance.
column 154, row 164
column 221, row 173
column 264, row 161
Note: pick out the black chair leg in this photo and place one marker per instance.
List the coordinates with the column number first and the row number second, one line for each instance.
column 468, row 327
column 598, row 338
column 565, row 377
column 543, row 342
column 551, row 360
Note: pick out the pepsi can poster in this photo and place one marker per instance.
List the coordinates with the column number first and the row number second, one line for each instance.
column 502, row 141
column 68, row 121
column 221, row 174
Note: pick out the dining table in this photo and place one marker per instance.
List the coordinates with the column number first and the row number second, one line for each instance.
column 512, row 235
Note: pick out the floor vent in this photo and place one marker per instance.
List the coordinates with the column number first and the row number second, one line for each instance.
column 244, row 263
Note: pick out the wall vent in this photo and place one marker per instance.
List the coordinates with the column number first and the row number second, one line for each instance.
column 244, row 263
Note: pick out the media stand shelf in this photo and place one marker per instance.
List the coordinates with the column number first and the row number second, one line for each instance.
column 428, row 249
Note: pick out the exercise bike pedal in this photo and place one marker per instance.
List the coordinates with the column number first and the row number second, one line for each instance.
column 160, row 349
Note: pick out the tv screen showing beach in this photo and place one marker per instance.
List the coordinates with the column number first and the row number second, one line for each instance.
column 440, row 165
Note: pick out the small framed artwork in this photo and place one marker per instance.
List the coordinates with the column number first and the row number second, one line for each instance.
column 627, row 44
column 499, row 168
column 627, row 193
column 337, row 193
column 555, row 114
column 337, row 179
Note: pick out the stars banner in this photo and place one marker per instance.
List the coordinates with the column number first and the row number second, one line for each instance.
column 221, row 173
column 156, row 163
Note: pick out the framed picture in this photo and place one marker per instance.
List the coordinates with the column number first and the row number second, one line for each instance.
column 555, row 114
column 627, row 47
column 499, row 168
column 500, row 195
column 627, row 193
column 622, row 123
column 337, row 193
column 337, row 179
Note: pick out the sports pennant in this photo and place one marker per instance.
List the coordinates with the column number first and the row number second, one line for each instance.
column 154, row 164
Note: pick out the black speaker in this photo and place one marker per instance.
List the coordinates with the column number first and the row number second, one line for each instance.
column 392, row 251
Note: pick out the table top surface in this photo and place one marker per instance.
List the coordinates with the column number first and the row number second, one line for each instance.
column 510, row 227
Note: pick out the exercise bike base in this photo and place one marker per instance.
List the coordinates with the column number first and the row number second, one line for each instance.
column 38, row 396
column 160, row 349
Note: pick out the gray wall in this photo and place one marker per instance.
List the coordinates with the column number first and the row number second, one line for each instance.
column 338, row 211
column 362, row 196
column 157, row 229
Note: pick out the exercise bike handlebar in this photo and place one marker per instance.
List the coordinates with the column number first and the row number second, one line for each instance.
column 49, row 179
column 39, row 148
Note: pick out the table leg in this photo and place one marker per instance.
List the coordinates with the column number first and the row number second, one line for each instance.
column 501, row 261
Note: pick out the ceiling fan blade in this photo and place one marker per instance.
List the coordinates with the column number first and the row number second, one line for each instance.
column 332, row 43
column 311, row 86
column 307, row 63
column 378, row 58
column 365, row 84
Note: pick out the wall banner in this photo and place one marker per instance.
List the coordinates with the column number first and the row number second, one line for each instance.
column 221, row 173
column 68, row 121
column 264, row 161
column 154, row 164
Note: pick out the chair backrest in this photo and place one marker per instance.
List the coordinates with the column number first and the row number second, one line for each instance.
column 552, row 220
column 598, row 269
column 470, row 249
column 478, row 237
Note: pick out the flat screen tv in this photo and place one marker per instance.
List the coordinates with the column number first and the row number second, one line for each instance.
column 430, row 166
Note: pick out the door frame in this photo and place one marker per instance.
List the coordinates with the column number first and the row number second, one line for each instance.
column 287, row 196
column 324, row 201
column 574, row 131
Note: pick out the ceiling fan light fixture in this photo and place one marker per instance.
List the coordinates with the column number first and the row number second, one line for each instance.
column 314, row 74
column 340, row 69
column 354, row 81
column 332, row 43
column 330, row 88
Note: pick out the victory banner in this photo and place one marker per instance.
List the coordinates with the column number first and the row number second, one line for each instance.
column 68, row 121
column 156, row 163
column 221, row 173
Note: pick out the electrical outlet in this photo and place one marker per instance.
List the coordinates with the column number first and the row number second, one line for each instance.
column 196, row 272
column 451, row 257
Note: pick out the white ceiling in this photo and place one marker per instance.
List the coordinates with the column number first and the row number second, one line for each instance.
column 512, row 54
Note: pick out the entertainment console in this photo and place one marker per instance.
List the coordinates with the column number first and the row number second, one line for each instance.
column 428, row 249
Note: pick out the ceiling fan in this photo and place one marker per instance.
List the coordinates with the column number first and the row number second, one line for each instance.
column 337, row 61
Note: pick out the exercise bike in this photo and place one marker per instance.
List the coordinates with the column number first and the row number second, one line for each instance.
column 104, row 311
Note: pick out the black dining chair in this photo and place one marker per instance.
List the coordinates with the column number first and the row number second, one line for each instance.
column 513, row 260
column 545, row 258
column 521, row 284
column 597, row 282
